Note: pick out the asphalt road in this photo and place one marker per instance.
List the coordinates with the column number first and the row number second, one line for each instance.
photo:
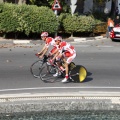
column 101, row 59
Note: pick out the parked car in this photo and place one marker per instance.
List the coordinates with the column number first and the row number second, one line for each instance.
column 115, row 33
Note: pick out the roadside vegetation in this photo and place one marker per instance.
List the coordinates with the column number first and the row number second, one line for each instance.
column 28, row 21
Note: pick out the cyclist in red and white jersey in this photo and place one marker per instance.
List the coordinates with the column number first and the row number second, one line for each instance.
column 48, row 41
column 67, row 52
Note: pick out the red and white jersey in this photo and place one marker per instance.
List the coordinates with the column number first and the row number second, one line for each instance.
column 50, row 41
column 64, row 46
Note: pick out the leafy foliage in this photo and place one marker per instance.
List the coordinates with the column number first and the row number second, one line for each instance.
column 27, row 18
column 78, row 23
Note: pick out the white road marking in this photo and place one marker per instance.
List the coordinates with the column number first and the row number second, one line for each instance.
column 45, row 88
column 104, row 46
column 81, row 45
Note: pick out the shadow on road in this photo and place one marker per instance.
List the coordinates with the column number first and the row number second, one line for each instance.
column 75, row 77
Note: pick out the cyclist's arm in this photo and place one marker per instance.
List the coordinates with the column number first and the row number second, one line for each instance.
column 54, row 52
column 42, row 50
column 57, row 53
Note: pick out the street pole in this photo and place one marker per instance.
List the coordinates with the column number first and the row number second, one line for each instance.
column 73, row 7
column 56, row 17
column 56, row 6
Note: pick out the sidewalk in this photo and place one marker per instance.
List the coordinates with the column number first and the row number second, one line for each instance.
column 70, row 39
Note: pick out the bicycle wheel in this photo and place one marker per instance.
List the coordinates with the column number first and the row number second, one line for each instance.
column 71, row 66
column 46, row 73
column 35, row 68
column 78, row 74
column 82, row 73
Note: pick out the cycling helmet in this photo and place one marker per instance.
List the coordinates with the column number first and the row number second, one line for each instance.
column 44, row 34
column 58, row 38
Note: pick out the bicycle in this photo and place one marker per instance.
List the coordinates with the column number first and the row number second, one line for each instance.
column 45, row 72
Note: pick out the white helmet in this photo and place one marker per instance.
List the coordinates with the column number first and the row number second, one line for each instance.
column 44, row 34
column 58, row 38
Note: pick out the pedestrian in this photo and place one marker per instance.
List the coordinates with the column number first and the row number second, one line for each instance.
column 116, row 11
column 116, row 21
column 110, row 24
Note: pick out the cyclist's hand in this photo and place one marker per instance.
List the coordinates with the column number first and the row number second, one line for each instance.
column 41, row 56
column 37, row 54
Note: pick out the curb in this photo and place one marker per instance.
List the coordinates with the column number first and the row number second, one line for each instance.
column 21, row 41
column 79, row 39
column 87, row 39
column 98, row 37
column 71, row 39
column 86, row 94
column 60, row 102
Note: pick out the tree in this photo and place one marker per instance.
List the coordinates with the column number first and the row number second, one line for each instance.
column 49, row 3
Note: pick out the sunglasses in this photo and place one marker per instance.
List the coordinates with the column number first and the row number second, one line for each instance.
column 57, row 40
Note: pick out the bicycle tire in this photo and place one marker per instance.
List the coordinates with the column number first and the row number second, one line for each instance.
column 78, row 74
column 46, row 73
column 71, row 66
column 35, row 68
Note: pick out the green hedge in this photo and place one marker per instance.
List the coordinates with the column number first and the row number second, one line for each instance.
column 27, row 19
column 30, row 19
column 82, row 23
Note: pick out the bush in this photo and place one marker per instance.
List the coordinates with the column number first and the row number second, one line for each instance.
column 27, row 19
column 78, row 23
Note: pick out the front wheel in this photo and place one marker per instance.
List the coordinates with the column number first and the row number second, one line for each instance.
column 35, row 68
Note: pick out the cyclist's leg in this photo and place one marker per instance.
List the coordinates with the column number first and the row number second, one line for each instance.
column 67, row 62
column 57, row 62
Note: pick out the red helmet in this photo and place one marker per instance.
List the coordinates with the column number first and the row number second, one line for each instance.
column 58, row 38
column 44, row 34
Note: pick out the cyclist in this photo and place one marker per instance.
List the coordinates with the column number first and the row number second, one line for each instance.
column 48, row 41
column 65, row 52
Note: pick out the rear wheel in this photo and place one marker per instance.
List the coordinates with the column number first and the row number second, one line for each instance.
column 71, row 66
column 78, row 73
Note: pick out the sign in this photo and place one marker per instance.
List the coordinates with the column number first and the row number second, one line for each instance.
column 73, row 6
column 56, row 5
column 73, row 2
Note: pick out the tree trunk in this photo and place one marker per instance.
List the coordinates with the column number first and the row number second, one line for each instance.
column 21, row 1
column 113, row 7
column 1, row 1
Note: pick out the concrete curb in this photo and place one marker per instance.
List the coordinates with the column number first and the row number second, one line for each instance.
column 66, row 95
column 98, row 37
column 71, row 39
column 80, row 39
column 21, row 41
column 60, row 102
column 87, row 39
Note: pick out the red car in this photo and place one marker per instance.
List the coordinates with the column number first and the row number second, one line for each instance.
column 115, row 33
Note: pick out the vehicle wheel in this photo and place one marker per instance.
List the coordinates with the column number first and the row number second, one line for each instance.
column 112, row 39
